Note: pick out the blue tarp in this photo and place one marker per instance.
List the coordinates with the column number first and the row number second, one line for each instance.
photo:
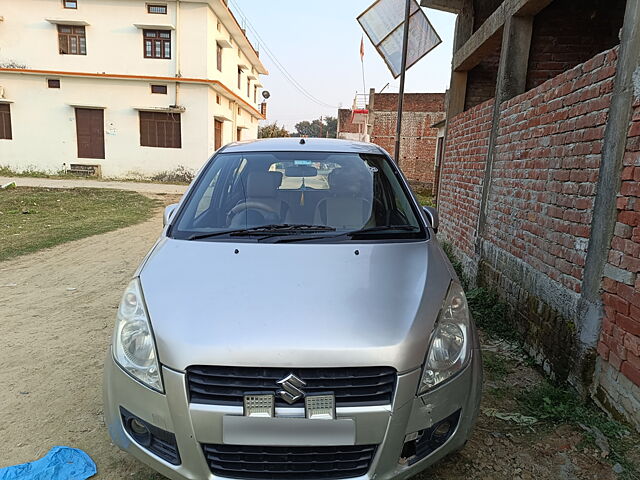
column 61, row 463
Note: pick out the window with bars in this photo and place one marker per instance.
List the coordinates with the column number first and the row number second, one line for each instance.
column 239, row 78
column 160, row 129
column 70, row 3
column 53, row 83
column 219, row 56
column 5, row 121
column 157, row 9
column 72, row 40
column 157, row 44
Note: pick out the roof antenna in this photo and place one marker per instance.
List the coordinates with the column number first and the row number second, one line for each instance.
column 302, row 142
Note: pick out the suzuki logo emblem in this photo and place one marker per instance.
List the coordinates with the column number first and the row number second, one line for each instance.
column 291, row 388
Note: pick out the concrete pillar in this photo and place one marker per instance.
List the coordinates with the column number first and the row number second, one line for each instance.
column 512, row 80
column 609, row 180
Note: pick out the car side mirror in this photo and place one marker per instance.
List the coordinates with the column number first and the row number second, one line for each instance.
column 433, row 217
column 168, row 213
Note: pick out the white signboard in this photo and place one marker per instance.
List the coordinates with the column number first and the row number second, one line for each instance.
column 383, row 22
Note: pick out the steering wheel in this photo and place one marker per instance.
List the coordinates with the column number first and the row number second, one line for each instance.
column 262, row 208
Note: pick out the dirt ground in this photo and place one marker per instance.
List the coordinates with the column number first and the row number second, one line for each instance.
column 55, row 328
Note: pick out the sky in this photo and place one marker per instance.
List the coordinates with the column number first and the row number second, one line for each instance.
column 318, row 44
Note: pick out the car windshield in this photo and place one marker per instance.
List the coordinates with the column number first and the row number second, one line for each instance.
column 310, row 194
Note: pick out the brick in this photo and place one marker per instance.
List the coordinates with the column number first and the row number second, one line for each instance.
column 603, row 350
column 618, row 274
column 614, row 360
column 632, row 343
column 628, row 324
column 631, row 372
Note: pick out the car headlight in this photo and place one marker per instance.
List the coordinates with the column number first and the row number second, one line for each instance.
column 133, row 345
column 450, row 347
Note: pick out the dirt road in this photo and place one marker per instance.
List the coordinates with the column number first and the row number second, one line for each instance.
column 56, row 315
column 54, row 330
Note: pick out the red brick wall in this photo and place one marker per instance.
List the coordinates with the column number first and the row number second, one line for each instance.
column 558, row 45
column 344, row 122
column 419, row 139
column 546, row 168
column 481, row 80
column 462, row 174
column 620, row 338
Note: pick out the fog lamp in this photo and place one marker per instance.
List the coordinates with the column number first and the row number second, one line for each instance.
column 322, row 407
column 259, row 406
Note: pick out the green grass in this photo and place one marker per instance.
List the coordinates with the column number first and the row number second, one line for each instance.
column 35, row 218
column 495, row 365
column 425, row 200
column 556, row 404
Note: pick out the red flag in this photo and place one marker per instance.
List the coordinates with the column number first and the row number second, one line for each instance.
column 362, row 48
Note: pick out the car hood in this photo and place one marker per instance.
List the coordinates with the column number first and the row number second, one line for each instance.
column 293, row 305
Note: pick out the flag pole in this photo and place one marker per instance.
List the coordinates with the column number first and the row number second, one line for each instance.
column 364, row 84
column 403, row 70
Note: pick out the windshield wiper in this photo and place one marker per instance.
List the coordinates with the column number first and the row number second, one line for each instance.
column 354, row 233
column 283, row 228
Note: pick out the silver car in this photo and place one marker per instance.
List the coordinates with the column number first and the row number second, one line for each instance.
column 297, row 319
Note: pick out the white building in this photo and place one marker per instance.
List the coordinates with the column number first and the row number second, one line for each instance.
column 124, row 87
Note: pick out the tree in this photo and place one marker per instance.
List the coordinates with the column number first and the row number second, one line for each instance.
column 325, row 128
column 272, row 130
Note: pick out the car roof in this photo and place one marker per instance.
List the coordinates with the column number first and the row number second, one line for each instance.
column 293, row 144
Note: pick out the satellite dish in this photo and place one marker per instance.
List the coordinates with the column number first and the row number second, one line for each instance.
column 265, row 94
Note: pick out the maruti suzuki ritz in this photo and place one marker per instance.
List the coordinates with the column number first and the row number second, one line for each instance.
column 297, row 319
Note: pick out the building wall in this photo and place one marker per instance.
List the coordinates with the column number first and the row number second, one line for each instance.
column 558, row 45
column 461, row 178
column 481, row 80
column 44, row 127
column 539, row 212
column 419, row 138
column 115, row 50
column 618, row 370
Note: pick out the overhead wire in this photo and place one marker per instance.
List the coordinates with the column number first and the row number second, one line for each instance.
column 277, row 63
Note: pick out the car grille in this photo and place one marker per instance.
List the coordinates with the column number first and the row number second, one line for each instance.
column 355, row 386
column 299, row 463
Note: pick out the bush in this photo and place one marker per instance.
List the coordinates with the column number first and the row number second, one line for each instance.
column 181, row 174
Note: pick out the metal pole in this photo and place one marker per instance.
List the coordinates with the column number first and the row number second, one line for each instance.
column 403, row 70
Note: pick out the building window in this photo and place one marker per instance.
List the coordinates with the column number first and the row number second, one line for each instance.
column 53, row 83
column 217, row 132
column 248, row 88
column 238, row 134
column 239, row 78
column 218, row 99
column 255, row 94
column 157, row 44
column 70, row 3
column 5, row 121
column 158, row 9
column 219, row 56
column 159, row 129
column 72, row 40
column 160, row 89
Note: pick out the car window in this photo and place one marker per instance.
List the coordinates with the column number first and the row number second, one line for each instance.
column 340, row 191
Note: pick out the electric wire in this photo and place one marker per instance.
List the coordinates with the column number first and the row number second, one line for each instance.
column 277, row 63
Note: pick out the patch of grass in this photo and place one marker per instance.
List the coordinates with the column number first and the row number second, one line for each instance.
column 561, row 405
column 425, row 200
column 35, row 218
column 496, row 365
column 491, row 314
column 180, row 175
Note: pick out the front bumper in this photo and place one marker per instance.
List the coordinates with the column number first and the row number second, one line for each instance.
column 385, row 426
